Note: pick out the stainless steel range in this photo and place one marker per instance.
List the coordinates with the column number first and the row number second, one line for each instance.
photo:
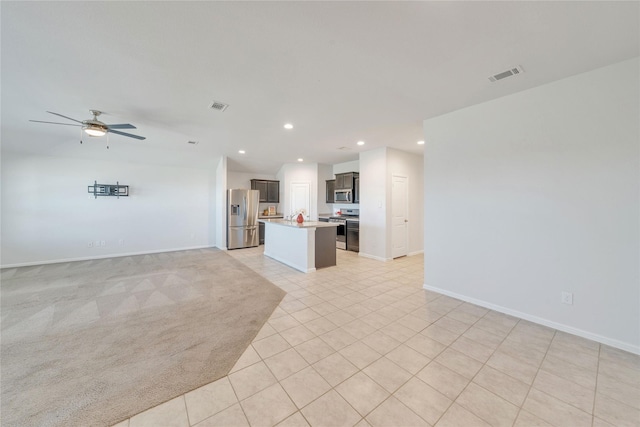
column 351, row 215
column 341, row 232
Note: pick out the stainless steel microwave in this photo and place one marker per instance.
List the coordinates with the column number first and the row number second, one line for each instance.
column 343, row 196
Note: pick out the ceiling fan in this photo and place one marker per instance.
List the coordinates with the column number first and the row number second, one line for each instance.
column 94, row 127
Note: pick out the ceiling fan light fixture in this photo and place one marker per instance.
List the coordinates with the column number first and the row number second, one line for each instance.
column 94, row 127
column 94, row 130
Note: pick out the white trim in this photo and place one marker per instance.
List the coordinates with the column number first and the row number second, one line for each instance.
column 290, row 264
column 406, row 218
column 539, row 320
column 89, row 258
column 377, row 258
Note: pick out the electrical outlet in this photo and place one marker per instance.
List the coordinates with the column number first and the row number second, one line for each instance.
column 567, row 298
column 90, row 244
column 96, row 243
column 103, row 243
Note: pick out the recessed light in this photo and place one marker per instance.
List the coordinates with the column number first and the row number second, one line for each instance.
column 300, row 160
column 360, row 142
column 241, row 151
column 288, row 126
column 420, row 142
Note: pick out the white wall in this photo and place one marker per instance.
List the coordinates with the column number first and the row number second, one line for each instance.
column 325, row 173
column 410, row 166
column 221, row 203
column 353, row 166
column 299, row 172
column 373, row 204
column 537, row 193
column 243, row 179
column 48, row 216
column 377, row 168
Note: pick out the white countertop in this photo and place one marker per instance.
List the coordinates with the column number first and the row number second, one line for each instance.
column 294, row 224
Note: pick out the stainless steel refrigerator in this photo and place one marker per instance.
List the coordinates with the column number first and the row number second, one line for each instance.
column 242, row 218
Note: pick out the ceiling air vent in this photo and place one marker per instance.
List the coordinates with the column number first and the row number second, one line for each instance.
column 344, row 148
column 215, row 105
column 503, row 75
column 192, row 142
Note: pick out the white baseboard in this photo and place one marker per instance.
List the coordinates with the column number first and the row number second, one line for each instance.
column 377, row 258
column 89, row 258
column 631, row 348
column 288, row 263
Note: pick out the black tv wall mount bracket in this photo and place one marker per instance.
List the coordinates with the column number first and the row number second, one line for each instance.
column 116, row 190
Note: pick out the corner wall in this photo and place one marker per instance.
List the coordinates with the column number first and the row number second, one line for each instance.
column 373, row 204
column 325, row 172
column 377, row 168
column 48, row 216
column 537, row 193
column 221, row 203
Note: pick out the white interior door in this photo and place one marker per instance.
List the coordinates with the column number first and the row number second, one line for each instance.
column 399, row 216
column 300, row 198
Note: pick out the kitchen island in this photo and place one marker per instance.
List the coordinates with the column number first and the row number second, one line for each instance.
column 305, row 247
column 261, row 225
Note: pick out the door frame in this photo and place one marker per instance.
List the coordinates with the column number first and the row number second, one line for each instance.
column 407, row 215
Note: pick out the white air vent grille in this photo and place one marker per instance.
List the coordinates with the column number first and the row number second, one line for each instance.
column 220, row 106
column 508, row 73
column 192, row 142
column 344, row 148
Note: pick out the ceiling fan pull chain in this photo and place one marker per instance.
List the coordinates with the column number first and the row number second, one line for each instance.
column 80, row 135
column 107, row 140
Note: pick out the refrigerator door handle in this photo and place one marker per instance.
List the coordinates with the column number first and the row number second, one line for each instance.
column 245, row 209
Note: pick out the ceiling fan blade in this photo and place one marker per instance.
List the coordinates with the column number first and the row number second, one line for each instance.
column 54, row 123
column 122, row 126
column 127, row 134
column 68, row 118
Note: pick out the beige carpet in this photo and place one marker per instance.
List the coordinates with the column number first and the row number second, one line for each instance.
column 92, row 343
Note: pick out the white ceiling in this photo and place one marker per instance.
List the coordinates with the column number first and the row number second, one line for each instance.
column 339, row 71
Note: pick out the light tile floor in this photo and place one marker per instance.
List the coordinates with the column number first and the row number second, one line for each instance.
column 362, row 344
